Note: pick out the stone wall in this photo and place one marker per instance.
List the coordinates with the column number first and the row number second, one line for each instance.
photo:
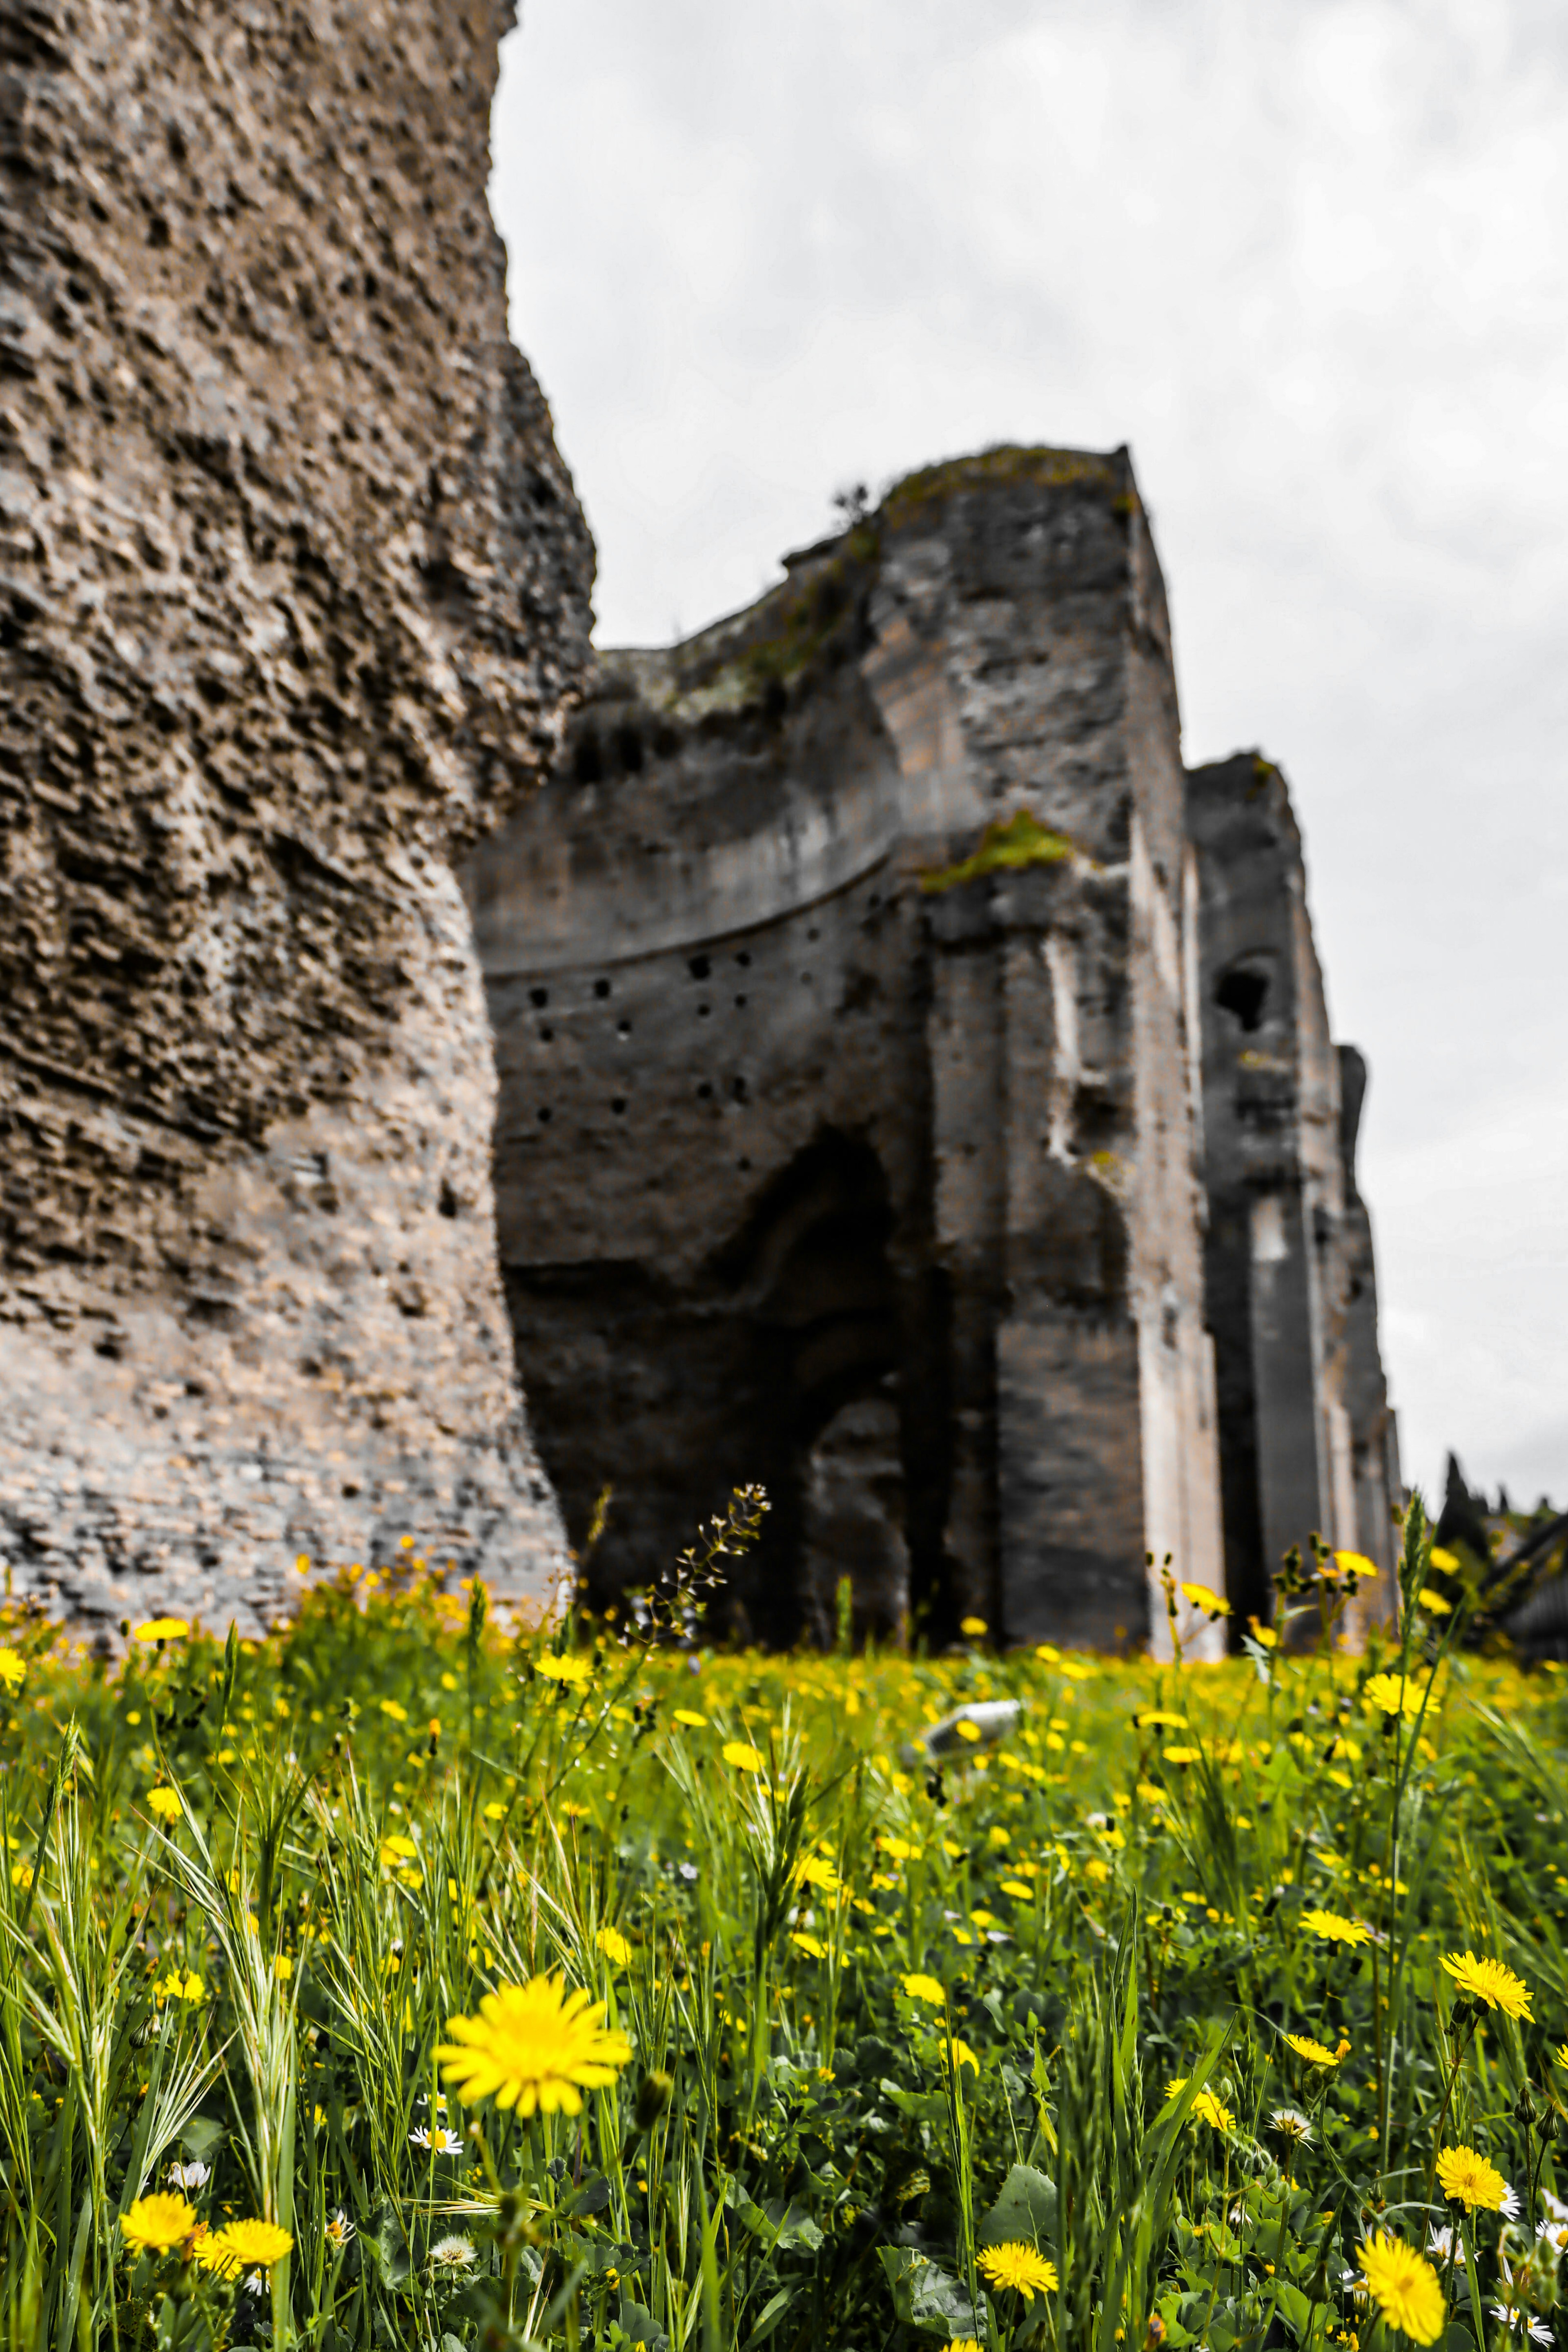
column 1308, row 1443
column 294, row 590
column 842, row 979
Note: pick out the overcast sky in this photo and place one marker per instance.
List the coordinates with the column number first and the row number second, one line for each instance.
column 1310, row 258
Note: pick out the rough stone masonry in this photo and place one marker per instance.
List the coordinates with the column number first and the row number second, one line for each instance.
column 908, row 1075
column 294, row 590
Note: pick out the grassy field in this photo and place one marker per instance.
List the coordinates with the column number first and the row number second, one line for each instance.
column 397, row 1981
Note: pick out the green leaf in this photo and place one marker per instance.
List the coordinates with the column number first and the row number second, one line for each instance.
column 772, row 2311
column 1026, row 2210
column 925, row 2297
column 641, row 2326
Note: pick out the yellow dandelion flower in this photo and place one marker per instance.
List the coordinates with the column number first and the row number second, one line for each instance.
column 900, row 1849
column 614, row 1946
column 922, row 1988
column 1019, row 2266
column 1203, row 1596
column 1405, row 2287
column 246, row 2246
column 744, row 1758
column 1561, row 2053
column 162, row 1629
column 1205, row 2106
column 166, row 1803
column 155, row 2224
column 1466, row 2179
column 958, row 2053
column 13, row 1673
column 569, row 1668
column 968, row 1729
column 1181, row 1755
column 1161, row 1715
column 1489, row 1982
column 972, row 1628
column 1391, row 1695
column 1334, row 1929
column 1314, row 2053
column 965, row 2343
column 1441, row 1557
column 1354, row 1563
column 533, row 2047
column 688, row 1716
column 1433, row 1602
column 816, row 1872
column 810, row 1945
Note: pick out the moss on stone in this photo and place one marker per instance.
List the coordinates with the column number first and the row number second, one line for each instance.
column 1022, row 841
column 1007, row 463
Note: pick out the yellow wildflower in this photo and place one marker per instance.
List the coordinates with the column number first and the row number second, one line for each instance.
column 1391, row 1695
column 166, row 1803
column 246, row 2246
column 1314, row 2053
column 162, row 1629
column 12, row 1671
column 614, row 1946
column 810, row 1945
column 1405, row 2287
column 689, row 1715
column 1202, row 1596
column 569, row 1666
column 1335, row 1929
column 972, row 1628
column 1206, row 2106
column 1433, row 1602
column 534, row 2047
column 1466, row 2179
column 923, row 1987
column 1488, row 1981
column 155, row 2224
column 744, row 1758
column 1019, row 2266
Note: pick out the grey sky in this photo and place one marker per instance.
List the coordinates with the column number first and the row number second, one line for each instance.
column 1310, row 260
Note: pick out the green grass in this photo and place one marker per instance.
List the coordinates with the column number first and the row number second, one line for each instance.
column 394, row 1807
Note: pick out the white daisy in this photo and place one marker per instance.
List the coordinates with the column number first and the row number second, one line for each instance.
column 1444, row 2243
column 189, row 2175
column 442, row 2143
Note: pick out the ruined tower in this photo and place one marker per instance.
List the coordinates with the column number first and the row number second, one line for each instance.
column 293, row 589
column 844, row 979
column 1308, row 1443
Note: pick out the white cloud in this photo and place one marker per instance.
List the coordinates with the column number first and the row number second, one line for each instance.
column 1312, row 262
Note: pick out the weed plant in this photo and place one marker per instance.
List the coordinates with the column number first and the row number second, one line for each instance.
column 402, row 1980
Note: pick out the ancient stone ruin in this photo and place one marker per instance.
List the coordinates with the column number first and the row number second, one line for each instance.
column 911, row 1081
column 293, row 586
column 915, row 1091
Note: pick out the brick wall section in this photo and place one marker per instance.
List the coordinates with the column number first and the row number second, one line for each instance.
column 293, row 592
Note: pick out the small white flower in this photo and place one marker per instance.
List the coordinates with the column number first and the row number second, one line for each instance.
column 439, row 2142
column 340, row 2229
column 1444, row 2243
column 1539, row 2332
column 1552, row 2233
column 253, row 2284
column 193, row 2175
column 1291, row 2123
column 1554, row 2206
column 451, row 2253
column 1508, row 2205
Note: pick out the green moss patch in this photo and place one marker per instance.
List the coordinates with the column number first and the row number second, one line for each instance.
column 1022, row 841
